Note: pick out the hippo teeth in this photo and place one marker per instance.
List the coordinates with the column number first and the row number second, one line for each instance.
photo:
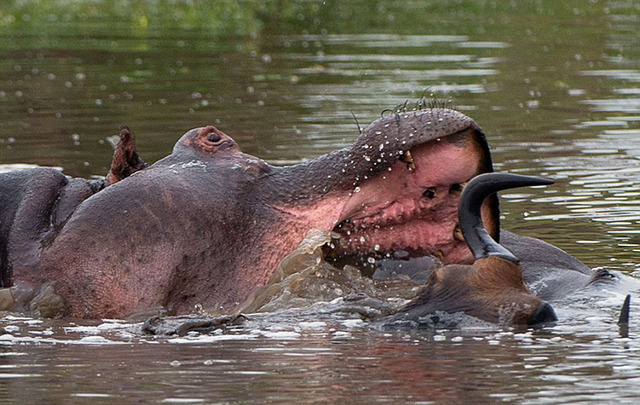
column 396, row 213
column 408, row 159
column 411, row 232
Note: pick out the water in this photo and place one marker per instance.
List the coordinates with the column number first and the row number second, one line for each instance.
column 555, row 86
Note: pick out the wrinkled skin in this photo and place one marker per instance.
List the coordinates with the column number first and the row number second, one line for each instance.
column 207, row 224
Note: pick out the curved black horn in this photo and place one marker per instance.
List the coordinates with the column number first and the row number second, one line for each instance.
column 624, row 312
column 474, row 193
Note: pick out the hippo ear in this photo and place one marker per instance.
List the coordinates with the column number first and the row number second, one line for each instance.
column 125, row 158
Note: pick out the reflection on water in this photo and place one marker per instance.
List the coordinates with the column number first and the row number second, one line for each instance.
column 553, row 84
column 327, row 359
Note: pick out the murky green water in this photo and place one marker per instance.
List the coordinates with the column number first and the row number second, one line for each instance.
column 555, row 85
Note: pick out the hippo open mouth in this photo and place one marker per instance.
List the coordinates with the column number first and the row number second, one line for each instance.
column 409, row 208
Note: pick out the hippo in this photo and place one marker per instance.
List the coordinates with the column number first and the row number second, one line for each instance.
column 206, row 225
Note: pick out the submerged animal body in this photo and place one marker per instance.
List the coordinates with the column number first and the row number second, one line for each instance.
column 208, row 223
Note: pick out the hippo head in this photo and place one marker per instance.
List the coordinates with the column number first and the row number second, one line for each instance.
column 395, row 189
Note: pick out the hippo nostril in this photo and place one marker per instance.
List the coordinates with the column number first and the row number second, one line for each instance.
column 429, row 193
column 214, row 137
column 544, row 313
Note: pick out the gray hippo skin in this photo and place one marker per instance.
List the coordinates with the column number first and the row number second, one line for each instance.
column 208, row 224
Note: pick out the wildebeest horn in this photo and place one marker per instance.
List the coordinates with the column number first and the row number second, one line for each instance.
column 624, row 312
column 469, row 211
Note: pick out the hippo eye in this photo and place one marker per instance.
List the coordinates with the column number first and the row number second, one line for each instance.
column 429, row 193
column 214, row 137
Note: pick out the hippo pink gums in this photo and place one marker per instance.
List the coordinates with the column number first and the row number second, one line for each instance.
column 208, row 223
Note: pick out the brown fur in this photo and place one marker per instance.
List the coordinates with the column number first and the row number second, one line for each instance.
column 492, row 289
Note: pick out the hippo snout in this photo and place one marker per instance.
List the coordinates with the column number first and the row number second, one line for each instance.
column 544, row 313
